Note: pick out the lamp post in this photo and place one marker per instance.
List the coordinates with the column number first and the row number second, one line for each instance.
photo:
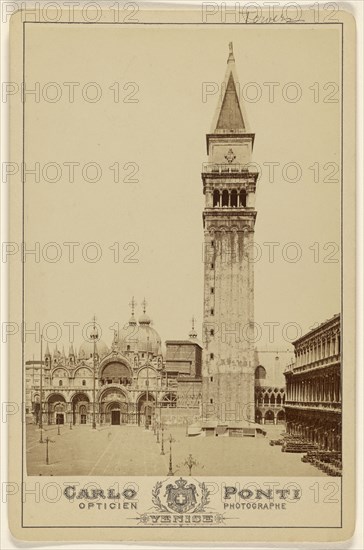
column 190, row 462
column 41, row 391
column 162, row 444
column 156, row 423
column 47, row 455
column 170, row 471
column 147, row 383
column 94, row 337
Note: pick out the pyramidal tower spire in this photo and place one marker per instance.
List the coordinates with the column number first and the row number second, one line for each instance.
column 229, row 219
column 230, row 115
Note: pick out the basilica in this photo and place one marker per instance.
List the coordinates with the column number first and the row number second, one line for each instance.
column 128, row 382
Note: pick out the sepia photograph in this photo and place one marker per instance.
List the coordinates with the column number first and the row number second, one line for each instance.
column 182, row 246
column 247, row 232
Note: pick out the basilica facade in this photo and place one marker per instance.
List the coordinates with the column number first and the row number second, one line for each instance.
column 129, row 382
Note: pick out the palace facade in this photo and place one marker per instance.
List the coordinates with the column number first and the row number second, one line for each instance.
column 313, row 387
column 270, row 392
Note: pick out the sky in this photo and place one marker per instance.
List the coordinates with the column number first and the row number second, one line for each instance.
column 155, row 132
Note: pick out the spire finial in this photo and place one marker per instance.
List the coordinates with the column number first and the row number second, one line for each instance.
column 193, row 333
column 115, row 341
column 144, row 319
column 132, row 304
column 94, row 334
column 231, row 53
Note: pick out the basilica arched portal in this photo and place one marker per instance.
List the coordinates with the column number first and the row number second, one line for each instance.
column 80, row 406
column 114, row 407
column 56, row 409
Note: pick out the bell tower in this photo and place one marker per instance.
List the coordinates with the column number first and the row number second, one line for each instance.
column 228, row 219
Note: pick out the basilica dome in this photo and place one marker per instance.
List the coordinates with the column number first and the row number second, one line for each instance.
column 87, row 349
column 148, row 339
column 140, row 337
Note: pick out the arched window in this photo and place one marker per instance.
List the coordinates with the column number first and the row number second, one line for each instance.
column 266, row 399
column 225, row 198
column 260, row 373
column 272, row 399
column 234, row 198
column 216, row 199
column 84, row 382
column 60, row 383
column 242, row 197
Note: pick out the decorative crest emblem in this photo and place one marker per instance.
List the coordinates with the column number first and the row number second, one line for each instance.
column 181, row 497
column 230, row 156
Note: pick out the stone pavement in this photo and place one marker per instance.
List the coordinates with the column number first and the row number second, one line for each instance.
column 133, row 451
